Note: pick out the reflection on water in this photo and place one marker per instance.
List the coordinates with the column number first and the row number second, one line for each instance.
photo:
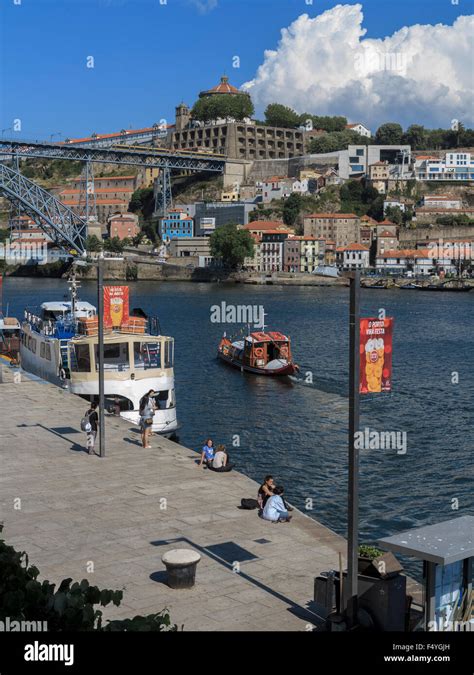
column 296, row 428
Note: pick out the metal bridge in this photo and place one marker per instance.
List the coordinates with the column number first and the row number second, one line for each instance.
column 148, row 157
column 65, row 227
column 61, row 223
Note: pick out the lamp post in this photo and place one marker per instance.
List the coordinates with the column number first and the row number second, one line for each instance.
column 353, row 478
column 99, row 265
column 100, row 307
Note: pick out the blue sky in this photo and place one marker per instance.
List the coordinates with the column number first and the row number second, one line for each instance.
column 149, row 56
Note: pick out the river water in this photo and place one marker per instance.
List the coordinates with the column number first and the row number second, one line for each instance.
column 297, row 429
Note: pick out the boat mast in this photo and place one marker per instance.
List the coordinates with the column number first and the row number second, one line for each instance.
column 73, row 288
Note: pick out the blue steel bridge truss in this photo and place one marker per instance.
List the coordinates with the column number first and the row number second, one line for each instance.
column 58, row 221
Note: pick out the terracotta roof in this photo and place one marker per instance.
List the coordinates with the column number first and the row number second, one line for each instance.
column 386, row 222
column 96, row 191
column 71, row 202
column 352, row 247
column 222, row 88
column 263, row 225
column 331, row 215
column 441, row 210
column 368, row 219
column 386, row 233
column 423, row 157
column 276, row 232
column 407, row 253
column 117, row 134
column 275, row 179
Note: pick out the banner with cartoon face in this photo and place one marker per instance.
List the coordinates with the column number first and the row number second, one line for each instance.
column 375, row 355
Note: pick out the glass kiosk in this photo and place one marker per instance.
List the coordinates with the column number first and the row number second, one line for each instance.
column 447, row 552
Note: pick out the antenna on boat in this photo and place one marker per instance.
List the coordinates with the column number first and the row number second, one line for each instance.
column 73, row 288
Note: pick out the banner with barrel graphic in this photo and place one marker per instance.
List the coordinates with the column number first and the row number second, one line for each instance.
column 116, row 306
column 375, row 355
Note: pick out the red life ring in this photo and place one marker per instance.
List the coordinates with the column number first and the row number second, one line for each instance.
column 284, row 351
column 259, row 352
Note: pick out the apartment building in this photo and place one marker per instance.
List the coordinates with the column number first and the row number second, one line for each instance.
column 343, row 228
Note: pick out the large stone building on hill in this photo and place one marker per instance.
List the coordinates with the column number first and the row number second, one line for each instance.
column 237, row 139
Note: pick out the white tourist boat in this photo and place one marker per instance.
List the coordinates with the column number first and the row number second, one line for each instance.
column 60, row 344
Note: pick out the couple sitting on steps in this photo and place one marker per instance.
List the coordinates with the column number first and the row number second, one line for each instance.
column 217, row 460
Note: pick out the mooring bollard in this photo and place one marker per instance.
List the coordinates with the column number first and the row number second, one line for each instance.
column 181, row 566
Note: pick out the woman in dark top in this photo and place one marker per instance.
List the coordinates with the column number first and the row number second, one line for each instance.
column 93, row 417
column 265, row 491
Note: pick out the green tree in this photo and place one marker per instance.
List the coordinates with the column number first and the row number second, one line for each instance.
column 72, row 607
column 326, row 122
column 114, row 245
column 231, row 245
column 291, row 209
column 278, row 115
column 394, row 214
column 93, row 244
column 390, row 133
column 415, row 136
column 140, row 199
column 375, row 210
column 211, row 107
column 336, row 140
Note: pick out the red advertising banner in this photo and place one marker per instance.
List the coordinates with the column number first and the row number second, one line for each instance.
column 116, row 306
column 375, row 355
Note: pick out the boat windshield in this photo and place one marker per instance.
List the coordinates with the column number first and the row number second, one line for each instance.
column 147, row 355
column 116, row 356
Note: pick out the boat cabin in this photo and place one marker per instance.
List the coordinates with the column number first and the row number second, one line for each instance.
column 262, row 348
column 52, row 311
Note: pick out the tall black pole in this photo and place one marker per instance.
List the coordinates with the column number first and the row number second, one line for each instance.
column 100, row 305
column 353, row 487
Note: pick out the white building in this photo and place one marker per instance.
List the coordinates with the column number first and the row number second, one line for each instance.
column 276, row 187
column 418, row 261
column 454, row 166
column 360, row 129
column 442, row 201
column 300, row 186
column 352, row 257
column 272, row 250
column 393, row 203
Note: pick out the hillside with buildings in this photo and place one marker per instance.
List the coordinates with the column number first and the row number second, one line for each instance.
column 310, row 190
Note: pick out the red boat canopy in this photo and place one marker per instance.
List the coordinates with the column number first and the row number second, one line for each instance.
column 267, row 337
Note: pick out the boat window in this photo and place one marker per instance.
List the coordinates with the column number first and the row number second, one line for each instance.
column 47, row 352
column 169, row 353
column 115, row 356
column 147, row 355
column 161, row 399
column 32, row 345
column 42, row 350
column 81, row 359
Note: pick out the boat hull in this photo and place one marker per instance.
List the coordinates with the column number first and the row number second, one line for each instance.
column 286, row 369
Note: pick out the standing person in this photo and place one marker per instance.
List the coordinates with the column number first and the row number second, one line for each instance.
column 93, row 418
column 275, row 509
column 207, row 454
column 147, row 411
column 221, row 463
column 265, row 491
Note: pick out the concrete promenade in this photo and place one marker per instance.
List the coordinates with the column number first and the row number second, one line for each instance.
column 123, row 512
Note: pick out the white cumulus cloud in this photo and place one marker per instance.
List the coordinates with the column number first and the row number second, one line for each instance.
column 325, row 66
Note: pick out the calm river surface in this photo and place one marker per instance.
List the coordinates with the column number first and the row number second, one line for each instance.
column 298, row 431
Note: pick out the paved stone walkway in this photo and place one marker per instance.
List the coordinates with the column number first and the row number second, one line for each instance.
column 124, row 511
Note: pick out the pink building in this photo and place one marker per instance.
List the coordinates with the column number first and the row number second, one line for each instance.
column 123, row 225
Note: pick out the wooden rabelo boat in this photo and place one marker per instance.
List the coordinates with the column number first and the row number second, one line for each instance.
column 259, row 353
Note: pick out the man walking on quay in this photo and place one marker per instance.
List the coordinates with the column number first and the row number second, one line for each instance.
column 90, row 426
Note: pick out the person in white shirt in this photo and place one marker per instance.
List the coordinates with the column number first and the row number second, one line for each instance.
column 275, row 509
column 220, row 462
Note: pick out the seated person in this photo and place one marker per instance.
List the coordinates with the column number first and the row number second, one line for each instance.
column 265, row 491
column 220, row 462
column 275, row 509
column 207, row 454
